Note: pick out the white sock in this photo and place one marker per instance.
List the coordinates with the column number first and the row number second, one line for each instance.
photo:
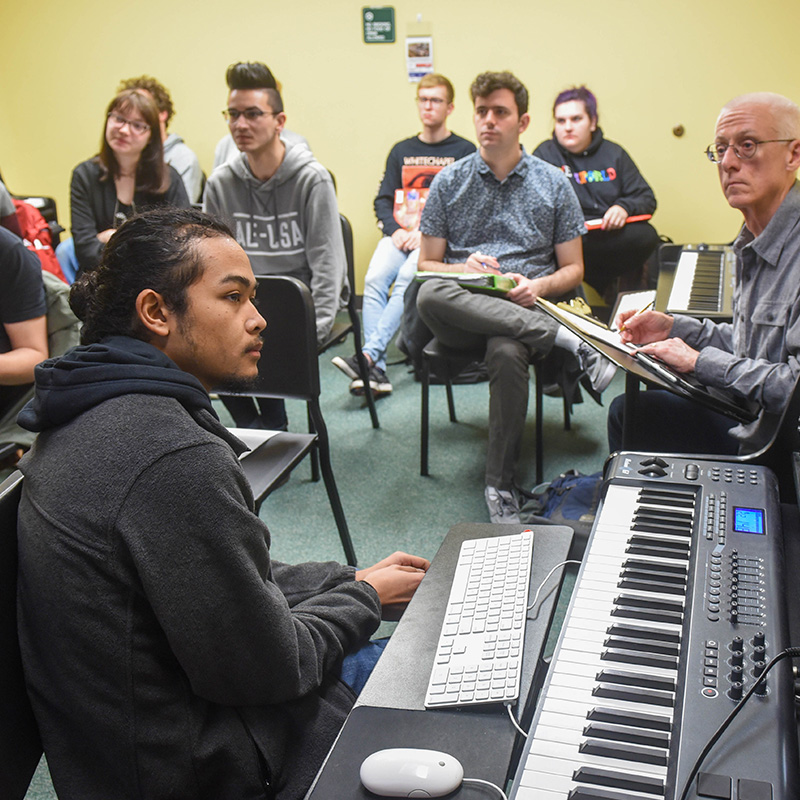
column 567, row 340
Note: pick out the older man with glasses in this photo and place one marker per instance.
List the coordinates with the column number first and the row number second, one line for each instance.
column 754, row 358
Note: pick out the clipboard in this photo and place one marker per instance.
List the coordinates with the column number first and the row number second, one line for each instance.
column 645, row 367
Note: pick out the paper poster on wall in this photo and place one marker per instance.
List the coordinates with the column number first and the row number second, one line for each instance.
column 419, row 57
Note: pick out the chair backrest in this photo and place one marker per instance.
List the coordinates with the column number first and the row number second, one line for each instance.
column 777, row 453
column 20, row 746
column 347, row 236
column 289, row 366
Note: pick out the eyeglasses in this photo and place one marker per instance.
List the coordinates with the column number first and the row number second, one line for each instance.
column 135, row 126
column 434, row 101
column 250, row 114
column 745, row 149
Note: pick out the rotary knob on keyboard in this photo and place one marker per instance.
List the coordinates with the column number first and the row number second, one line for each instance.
column 735, row 692
column 758, row 671
column 737, row 644
column 737, row 658
column 737, row 673
column 759, row 653
column 758, row 639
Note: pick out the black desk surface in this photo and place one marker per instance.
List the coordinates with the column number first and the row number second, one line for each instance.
column 390, row 711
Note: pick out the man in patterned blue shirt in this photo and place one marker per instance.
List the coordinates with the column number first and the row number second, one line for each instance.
column 503, row 211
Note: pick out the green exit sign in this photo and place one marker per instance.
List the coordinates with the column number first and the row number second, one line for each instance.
column 378, row 24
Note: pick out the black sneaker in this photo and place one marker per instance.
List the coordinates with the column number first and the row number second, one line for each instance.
column 378, row 383
column 347, row 365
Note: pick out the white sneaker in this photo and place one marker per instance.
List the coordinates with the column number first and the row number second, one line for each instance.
column 597, row 369
column 503, row 506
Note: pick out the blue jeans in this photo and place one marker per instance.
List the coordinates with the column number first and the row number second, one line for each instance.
column 358, row 666
column 65, row 253
column 382, row 312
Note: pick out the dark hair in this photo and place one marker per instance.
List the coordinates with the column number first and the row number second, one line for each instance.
column 433, row 79
column 583, row 95
column 250, row 75
column 154, row 250
column 159, row 92
column 488, row 82
column 151, row 171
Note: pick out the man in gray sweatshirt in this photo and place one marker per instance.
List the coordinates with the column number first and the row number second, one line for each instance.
column 281, row 204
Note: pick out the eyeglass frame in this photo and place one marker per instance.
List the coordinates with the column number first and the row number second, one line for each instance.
column 231, row 115
column 120, row 122
column 714, row 157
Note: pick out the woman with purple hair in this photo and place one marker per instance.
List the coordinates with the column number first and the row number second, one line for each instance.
column 610, row 189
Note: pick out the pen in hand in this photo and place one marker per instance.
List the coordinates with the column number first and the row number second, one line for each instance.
column 640, row 311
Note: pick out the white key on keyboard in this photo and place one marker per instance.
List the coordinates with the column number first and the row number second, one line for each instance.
column 479, row 655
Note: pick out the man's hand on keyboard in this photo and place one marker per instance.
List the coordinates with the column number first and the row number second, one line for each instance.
column 395, row 579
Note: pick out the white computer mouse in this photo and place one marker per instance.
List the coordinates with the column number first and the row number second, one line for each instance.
column 409, row 772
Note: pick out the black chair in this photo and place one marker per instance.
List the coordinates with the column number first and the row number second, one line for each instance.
column 448, row 364
column 20, row 746
column 47, row 208
column 352, row 324
column 779, row 454
column 289, row 368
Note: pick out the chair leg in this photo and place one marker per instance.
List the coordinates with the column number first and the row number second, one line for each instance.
column 323, row 445
column 314, row 455
column 362, row 365
column 424, row 416
column 451, row 405
column 567, row 415
column 539, row 425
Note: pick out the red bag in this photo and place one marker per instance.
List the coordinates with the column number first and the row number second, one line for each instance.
column 37, row 238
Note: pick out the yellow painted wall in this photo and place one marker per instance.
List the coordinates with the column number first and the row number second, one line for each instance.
column 653, row 65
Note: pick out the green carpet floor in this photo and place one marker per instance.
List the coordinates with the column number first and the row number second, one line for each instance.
column 388, row 505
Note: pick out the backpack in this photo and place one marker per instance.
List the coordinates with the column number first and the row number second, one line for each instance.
column 37, row 237
column 572, row 500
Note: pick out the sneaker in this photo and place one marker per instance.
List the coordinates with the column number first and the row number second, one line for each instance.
column 597, row 370
column 503, row 506
column 348, row 365
column 378, row 383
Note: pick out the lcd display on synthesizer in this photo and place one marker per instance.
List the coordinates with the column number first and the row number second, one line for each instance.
column 748, row 520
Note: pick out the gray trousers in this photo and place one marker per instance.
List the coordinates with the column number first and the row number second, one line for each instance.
column 512, row 337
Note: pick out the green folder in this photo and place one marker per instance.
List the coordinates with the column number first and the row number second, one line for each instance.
column 484, row 283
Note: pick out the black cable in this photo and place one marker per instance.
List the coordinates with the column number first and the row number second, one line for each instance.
column 789, row 652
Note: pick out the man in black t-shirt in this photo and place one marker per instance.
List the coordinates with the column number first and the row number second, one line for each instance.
column 23, row 329
column 410, row 168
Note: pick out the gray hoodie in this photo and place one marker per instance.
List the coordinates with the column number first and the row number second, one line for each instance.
column 287, row 225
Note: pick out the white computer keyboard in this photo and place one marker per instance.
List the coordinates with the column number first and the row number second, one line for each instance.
column 479, row 654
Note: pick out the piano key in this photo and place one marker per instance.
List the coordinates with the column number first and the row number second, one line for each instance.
column 566, row 758
column 622, row 733
column 611, row 778
column 635, row 679
column 580, row 704
column 623, row 752
column 634, row 694
column 616, row 716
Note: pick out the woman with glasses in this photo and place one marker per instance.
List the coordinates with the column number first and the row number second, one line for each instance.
column 127, row 175
column 610, row 189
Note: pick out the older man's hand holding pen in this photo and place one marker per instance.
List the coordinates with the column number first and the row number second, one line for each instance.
column 642, row 327
column 651, row 329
